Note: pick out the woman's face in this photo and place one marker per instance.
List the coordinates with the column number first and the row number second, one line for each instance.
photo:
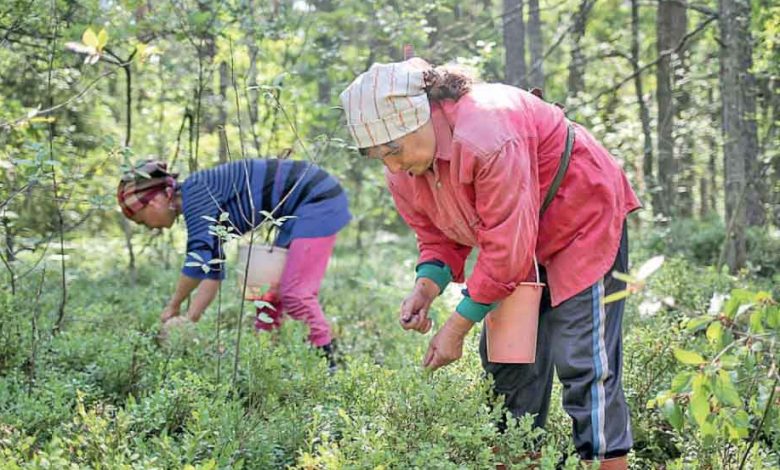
column 412, row 153
column 157, row 214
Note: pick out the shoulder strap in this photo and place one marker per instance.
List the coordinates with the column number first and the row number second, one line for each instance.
column 562, row 167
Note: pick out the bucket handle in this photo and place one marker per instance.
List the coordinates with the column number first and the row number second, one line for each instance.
column 536, row 268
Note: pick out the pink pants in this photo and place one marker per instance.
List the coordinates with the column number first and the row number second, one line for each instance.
column 307, row 260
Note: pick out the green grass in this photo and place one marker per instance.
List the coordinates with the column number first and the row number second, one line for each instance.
column 105, row 394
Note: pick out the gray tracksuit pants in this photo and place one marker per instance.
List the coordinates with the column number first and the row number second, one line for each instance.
column 582, row 339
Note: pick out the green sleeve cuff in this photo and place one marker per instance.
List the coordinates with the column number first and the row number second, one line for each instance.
column 474, row 311
column 441, row 275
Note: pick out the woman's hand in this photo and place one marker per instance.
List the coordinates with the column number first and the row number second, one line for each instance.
column 447, row 346
column 168, row 313
column 414, row 308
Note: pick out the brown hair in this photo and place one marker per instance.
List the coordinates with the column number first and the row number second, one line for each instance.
column 448, row 82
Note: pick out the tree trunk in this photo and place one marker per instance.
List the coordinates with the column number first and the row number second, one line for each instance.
column 684, row 165
column 704, row 209
column 740, row 140
column 577, row 63
column 326, row 42
column 772, row 137
column 514, row 43
column 253, row 95
column 535, row 40
column 670, row 27
column 712, row 143
column 651, row 186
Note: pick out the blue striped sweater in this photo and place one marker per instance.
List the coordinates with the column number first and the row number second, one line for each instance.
column 316, row 204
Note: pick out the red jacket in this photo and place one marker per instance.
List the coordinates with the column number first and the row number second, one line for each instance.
column 497, row 152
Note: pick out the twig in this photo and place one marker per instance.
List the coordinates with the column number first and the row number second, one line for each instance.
column 34, row 333
column 125, row 65
column 760, row 425
column 219, row 326
column 16, row 193
column 7, row 125
column 238, row 101
column 187, row 115
column 10, row 272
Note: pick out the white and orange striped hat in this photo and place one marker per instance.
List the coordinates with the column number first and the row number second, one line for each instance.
column 387, row 102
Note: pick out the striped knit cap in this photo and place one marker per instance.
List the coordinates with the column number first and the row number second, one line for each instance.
column 141, row 184
column 387, row 102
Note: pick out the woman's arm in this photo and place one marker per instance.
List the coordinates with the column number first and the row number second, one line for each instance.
column 207, row 290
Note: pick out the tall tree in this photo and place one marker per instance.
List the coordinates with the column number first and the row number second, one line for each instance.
column 644, row 113
column 577, row 62
column 683, row 134
column 514, row 43
column 535, row 40
column 708, row 187
column 671, row 23
column 740, row 139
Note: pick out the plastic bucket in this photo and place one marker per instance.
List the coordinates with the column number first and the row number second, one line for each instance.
column 266, row 265
column 512, row 326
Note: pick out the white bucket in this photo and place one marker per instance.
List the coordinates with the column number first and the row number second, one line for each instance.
column 266, row 266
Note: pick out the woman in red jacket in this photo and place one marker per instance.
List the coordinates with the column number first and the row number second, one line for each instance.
column 469, row 165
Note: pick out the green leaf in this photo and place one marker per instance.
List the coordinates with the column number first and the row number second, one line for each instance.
column 681, row 382
column 773, row 317
column 89, row 38
column 756, row 322
column 736, row 300
column 715, row 332
column 725, row 391
column 673, row 414
column 697, row 323
column 742, row 419
column 700, row 406
column 688, row 357
column 614, row 297
column 627, row 278
column 102, row 39
column 707, row 429
column 728, row 361
column 737, row 424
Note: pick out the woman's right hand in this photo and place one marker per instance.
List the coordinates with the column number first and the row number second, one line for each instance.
column 168, row 313
column 414, row 308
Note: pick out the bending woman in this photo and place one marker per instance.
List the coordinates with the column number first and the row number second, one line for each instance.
column 312, row 199
column 469, row 166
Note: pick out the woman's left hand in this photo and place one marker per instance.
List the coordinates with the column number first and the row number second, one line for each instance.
column 446, row 346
